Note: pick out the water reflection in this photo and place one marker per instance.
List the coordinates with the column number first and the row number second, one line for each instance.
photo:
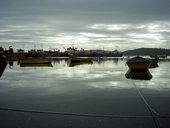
column 138, row 74
column 87, row 88
column 154, row 65
column 101, row 60
column 59, row 60
column 36, row 65
column 115, row 60
column 11, row 63
column 3, row 65
column 72, row 64
column 139, row 68
column 106, row 74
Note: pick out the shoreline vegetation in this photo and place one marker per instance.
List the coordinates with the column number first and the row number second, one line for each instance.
column 21, row 53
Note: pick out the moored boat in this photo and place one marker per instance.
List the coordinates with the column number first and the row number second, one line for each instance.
column 154, row 62
column 138, row 63
column 3, row 64
column 78, row 59
column 35, row 61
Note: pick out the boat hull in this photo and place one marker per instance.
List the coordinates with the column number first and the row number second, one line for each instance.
column 138, row 65
column 76, row 59
column 35, row 61
column 35, row 65
column 154, row 65
column 3, row 64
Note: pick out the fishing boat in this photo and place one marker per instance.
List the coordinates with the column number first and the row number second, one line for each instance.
column 35, row 61
column 138, row 63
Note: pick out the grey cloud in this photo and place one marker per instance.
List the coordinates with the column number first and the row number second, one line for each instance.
column 60, row 22
column 101, row 10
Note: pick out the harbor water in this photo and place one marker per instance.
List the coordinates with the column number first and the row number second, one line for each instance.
column 94, row 95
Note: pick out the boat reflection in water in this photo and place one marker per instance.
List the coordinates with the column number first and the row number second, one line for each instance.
column 138, row 74
column 35, row 62
column 3, row 64
column 11, row 63
column 36, row 65
column 154, row 63
column 75, row 59
column 138, row 68
column 72, row 64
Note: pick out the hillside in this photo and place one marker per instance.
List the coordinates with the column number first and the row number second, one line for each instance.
column 147, row 51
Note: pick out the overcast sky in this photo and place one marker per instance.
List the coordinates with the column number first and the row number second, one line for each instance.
column 91, row 24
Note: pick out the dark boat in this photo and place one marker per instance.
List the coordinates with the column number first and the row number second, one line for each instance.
column 35, row 61
column 36, row 65
column 74, row 59
column 154, row 62
column 138, row 68
column 77, row 59
column 137, row 63
column 3, row 64
column 138, row 74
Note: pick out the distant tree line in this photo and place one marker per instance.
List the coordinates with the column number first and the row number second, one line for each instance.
column 147, row 51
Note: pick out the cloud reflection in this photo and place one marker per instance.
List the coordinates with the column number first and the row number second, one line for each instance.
column 105, row 75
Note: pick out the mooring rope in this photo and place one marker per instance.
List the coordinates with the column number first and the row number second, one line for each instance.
column 149, row 107
column 80, row 114
column 143, row 98
column 147, row 104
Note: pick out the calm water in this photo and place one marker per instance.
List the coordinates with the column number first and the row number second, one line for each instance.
column 98, row 88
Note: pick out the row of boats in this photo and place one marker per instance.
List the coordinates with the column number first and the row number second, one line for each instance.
column 135, row 63
column 138, row 66
column 47, row 62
